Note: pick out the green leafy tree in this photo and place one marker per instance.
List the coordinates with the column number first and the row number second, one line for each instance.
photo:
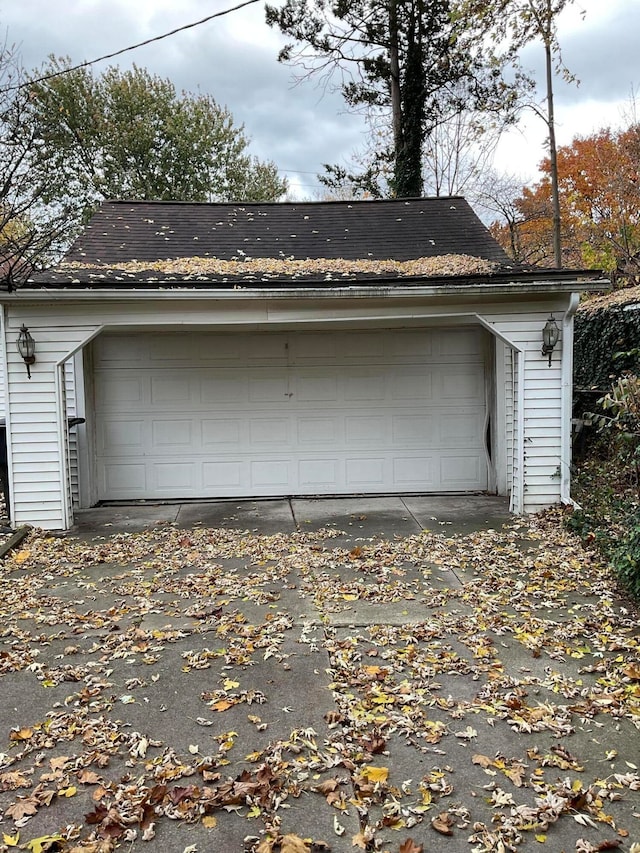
column 30, row 234
column 129, row 134
column 416, row 62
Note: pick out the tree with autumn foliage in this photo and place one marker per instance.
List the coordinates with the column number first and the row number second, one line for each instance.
column 599, row 184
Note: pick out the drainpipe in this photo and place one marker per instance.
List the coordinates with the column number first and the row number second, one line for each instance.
column 567, row 400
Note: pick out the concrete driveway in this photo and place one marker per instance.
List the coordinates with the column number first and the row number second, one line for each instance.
column 395, row 673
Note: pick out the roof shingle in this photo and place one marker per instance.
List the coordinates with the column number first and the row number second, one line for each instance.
column 126, row 242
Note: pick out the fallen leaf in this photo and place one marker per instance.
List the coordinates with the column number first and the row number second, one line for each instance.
column 409, row 846
column 375, row 774
column 42, row 844
column 293, row 844
column 23, row 807
column 442, row 823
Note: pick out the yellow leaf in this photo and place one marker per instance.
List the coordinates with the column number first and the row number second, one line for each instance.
column 209, row 821
column 349, row 596
column 21, row 556
column 11, row 840
column 541, row 838
column 71, row 791
column 39, row 845
column 375, row 774
column 230, row 684
column 254, row 811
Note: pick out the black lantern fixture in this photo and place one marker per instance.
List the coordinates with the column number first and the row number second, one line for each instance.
column 550, row 337
column 26, row 348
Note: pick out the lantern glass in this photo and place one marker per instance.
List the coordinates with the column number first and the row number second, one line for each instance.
column 26, row 345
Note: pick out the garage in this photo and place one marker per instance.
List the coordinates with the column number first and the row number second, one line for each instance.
column 209, row 414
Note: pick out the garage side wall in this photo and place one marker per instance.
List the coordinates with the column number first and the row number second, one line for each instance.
column 39, row 465
column 36, row 423
column 537, row 453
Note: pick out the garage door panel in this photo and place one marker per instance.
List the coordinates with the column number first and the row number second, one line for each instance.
column 124, row 478
column 313, row 347
column 460, row 471
column 118, row 388
column 167, row 434
column 365, row 385
column 219, row 388
column 461, row 429
column 220, row 433
column 317, row 387
column 414, row 472
column 361, row 347
column 365, row 473
column 123, row 437
column 317, row 475
column 173, row 478
column 455, row 383
column 270, row 473
column 224, row 475
column 267, row 388
column 269, row 432
column 366, row 429
column 295, row 413
column 409, row 345
column 170, row 389
column 413, row 430
column 412, row 385
column 317, row 431
column 459, row 344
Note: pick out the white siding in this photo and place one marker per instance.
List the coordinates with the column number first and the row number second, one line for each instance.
column 37, row 431
column 509, row 391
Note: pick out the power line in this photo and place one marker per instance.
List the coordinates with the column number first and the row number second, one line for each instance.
column 132, row 47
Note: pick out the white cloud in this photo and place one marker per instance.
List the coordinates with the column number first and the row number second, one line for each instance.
column 299, row 127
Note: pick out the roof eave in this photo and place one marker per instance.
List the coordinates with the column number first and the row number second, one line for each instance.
column 484, row 288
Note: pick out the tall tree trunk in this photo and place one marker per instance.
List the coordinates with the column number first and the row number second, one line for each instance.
column 408, row 156
column 394, row 82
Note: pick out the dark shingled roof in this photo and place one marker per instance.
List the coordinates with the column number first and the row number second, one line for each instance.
column 121, row 232
column 399, row 229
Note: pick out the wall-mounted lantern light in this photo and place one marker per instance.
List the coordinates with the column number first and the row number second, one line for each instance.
column 550, row 337
column 26, row 348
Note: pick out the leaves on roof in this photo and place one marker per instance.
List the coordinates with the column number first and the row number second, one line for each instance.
column 623, row 296
column 290, row 267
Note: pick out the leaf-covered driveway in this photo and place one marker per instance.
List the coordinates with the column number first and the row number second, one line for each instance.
column 215, row 690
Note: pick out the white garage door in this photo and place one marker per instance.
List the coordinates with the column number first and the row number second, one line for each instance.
column 202, row 414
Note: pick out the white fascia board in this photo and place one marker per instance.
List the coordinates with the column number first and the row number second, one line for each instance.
column 176, row 292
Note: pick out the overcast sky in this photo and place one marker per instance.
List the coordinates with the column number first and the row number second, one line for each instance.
column 300, row 127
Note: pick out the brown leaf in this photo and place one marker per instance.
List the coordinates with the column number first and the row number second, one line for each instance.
column 516, row 774
column 293, row 844
column 409, row 846
column 442, row 823
column 327, row 786
column 24, row 733
column 88, row 777
column 23, row 807
column 632, row 671
column 482, row 760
